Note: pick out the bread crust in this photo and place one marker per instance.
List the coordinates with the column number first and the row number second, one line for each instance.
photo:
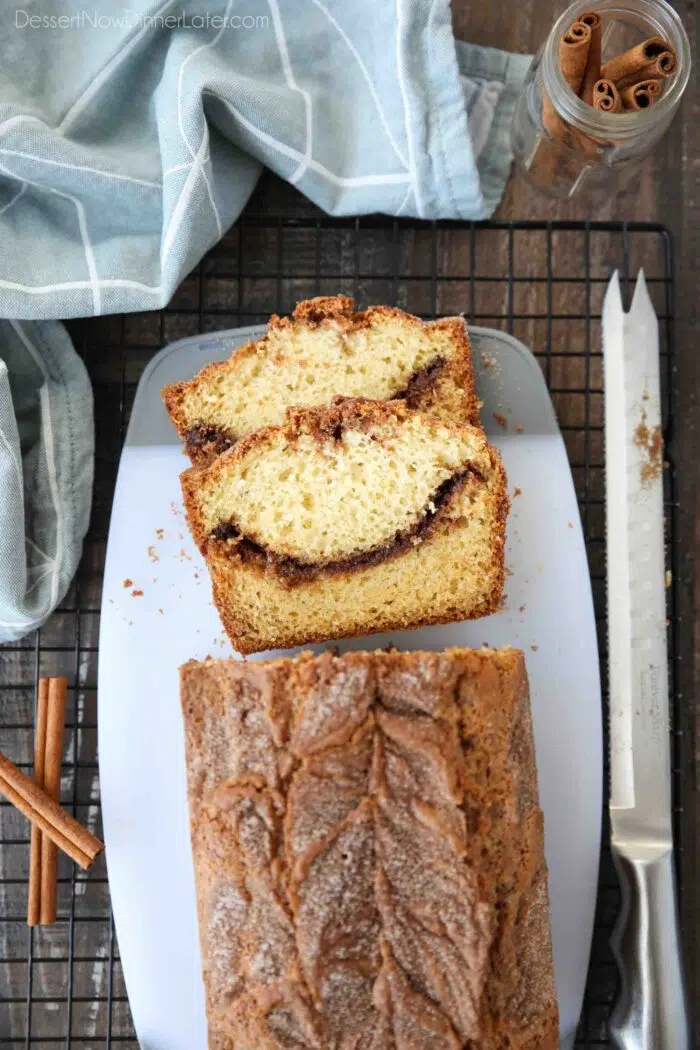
column 288, row 758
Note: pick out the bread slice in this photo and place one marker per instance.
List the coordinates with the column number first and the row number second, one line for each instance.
column 326, row 349
column 368, row 853
column 354, row 518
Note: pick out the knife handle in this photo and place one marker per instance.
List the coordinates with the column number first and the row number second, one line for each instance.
column 651, row 1012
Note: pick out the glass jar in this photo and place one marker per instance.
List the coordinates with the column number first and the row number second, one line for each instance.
column 566, row 147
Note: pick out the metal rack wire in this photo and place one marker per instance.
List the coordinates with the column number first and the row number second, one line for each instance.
column 543, row 282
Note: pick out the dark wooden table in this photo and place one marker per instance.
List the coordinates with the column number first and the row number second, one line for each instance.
column 667, row 191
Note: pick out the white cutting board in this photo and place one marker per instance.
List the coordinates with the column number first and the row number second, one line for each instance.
column 164, row 616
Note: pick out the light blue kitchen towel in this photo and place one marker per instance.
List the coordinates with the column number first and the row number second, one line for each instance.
column 46, row 464
column 131, row 136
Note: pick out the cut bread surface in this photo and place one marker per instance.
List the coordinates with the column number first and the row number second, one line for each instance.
column 353, row 518
column 326, row 349
column 322, row 500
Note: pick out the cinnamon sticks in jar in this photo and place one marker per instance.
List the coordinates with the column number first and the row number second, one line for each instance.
column 645, row 64
column 578, row 126
column 630, row 82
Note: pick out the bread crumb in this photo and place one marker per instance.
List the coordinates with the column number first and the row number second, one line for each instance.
column 534, row 648
column 509, row 572
column 137, row 594
column 519, row 429
column 128, row 583
column 160, row 612
column 183, row 555
column 651, row 444
column 490, row 363
column 500, row 419
column 569, row 525
column 669, row 577
column 160, row 533
column 517, row 492
column 152, row 553
column 522, row 608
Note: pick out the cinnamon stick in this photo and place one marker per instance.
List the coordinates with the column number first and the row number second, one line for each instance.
column 58, row 688
column 637, row 59
column 34, row 901
column 37, row 806
column 606, row 97
column 573, row 54
column 661, row 68
column 592, row 71
column 642, row 95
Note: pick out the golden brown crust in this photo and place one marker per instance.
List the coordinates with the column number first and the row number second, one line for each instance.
column 190, row 481
column 339, row 310
column 368, row 852
column 316, row 311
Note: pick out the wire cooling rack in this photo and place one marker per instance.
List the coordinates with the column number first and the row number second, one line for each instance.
column 544, row 283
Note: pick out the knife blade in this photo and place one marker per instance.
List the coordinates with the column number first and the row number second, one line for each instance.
column 651, row 1012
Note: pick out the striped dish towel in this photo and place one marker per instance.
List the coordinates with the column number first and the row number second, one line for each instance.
column 132, row 134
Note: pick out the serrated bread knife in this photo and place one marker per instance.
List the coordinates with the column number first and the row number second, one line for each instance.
column 651, row 1011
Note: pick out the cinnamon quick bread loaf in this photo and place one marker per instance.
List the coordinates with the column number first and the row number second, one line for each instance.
column 368, row 852
column 353, row 518
column 326, row 349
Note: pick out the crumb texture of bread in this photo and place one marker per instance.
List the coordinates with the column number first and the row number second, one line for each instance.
column 326, row 349
column 354, row 518
column 368, row 852
column 318, row 501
